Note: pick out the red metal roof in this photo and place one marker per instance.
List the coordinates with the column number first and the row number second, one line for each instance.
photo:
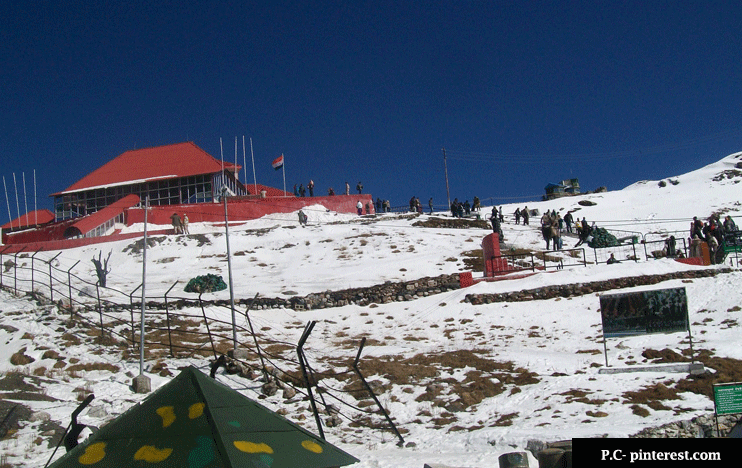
column 30, row 219
column 157, row 163
column 90, row 222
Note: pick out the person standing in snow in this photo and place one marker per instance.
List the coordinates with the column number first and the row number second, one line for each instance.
column 430, row 205
column 359, row 207
column 546, row 228
column 524, row 213
column 310, row 186
column 729, row 225
column 185, row 224
column 568, row 221
column 347, row 188
column 359, row 187
column 177, row 225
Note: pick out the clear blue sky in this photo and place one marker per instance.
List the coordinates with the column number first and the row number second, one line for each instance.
column 520, row 93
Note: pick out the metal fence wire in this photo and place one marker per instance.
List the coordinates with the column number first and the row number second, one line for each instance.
column 176, row 327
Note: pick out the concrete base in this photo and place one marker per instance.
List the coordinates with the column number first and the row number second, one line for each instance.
column 693, row 369
column 142, row 384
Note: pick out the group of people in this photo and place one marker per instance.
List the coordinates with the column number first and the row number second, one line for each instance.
column 180, row 226
column 551, row 229
column 459, row 209
column 301, row 191
column 522, row 214
column 383, row 206
column 712, row 232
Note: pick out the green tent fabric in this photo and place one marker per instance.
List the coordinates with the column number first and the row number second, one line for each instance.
column 195, row 422
column 205, row 284
column 602, row 238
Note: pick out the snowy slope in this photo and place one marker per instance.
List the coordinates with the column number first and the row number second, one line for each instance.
column 551, row 350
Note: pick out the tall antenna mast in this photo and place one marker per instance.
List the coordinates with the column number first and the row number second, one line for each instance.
column 221, row 152
column 445, row 165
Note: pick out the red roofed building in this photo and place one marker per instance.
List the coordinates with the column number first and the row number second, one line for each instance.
column 175, row 174
column 178, row 179
column 32, row 219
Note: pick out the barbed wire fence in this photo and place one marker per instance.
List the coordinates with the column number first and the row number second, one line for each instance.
column 186, row 327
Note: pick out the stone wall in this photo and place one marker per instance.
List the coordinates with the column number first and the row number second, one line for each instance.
column 581, row 289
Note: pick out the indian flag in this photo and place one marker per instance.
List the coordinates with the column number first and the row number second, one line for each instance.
column 278, row 163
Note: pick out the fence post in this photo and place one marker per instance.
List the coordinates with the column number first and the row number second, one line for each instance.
column 69, row 286
column 368, row 388
column 255, row 338
column 2, row 266
column 51, row 286
column 533, row 263
column 15, row 270
column 302, row 363
column 131, row 309
column 633, row 246
column 206, row 321
column 167, row 318
column 32, row 270
column 584, row 257
column 100, row 308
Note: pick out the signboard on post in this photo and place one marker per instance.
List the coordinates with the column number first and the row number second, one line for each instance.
column 728, row 398
column 644, row 313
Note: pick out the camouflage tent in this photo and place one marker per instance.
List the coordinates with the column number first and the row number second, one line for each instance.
column 195, row 422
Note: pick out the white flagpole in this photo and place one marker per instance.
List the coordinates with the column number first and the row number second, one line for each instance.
column 35, row 209
column 25, row 199
column 236, row 174
column 254, row 179
column 7, row 202
column 221, row 152
column 17, row 207
column 283, row 169
column 244, row 161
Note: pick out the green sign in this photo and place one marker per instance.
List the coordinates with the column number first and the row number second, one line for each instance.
column 728, row 398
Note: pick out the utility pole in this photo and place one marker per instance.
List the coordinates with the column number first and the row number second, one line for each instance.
column 445, row 165
column 229, row 270
column 142, row 383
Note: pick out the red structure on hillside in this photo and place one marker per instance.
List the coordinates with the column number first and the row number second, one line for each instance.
column 180, row 178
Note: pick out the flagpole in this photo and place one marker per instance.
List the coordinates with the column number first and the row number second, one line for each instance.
column 244, row 162
column 254, row 179
column 283, row 169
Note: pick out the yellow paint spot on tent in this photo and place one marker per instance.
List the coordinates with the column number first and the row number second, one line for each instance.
column 195, row 410
column 167, row 414
column 152, row 454
column 250, row 447
column 312, row 446
column 93, row 453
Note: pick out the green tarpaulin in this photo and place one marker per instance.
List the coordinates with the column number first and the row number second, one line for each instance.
column 195, row 422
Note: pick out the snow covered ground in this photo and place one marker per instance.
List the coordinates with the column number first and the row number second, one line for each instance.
column 537, row 362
